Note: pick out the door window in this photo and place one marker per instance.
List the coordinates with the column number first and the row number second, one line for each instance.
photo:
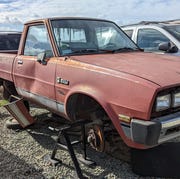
column 37, row 41
column 149, row 39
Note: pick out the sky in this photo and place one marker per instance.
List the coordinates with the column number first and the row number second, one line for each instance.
column 14, row 13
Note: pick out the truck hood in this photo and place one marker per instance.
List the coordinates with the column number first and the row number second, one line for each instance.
column 163, row 70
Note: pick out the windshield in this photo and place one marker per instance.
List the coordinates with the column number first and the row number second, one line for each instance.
column 89, row 36
column 174, row 30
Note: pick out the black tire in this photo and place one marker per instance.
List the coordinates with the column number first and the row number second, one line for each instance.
column 8, row 90
column 6, row 95
column 1, row 82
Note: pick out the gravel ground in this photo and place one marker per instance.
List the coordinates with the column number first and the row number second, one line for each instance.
column 22, row 154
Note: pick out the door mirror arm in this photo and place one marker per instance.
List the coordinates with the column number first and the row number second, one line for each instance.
column 41, row 58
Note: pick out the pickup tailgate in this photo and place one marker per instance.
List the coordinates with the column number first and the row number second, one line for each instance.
column 6, row 65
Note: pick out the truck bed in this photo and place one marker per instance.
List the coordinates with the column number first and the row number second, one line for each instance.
column 6, row 63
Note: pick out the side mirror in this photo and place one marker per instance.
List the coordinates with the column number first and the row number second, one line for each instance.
column 41, row 58
column 168, row 47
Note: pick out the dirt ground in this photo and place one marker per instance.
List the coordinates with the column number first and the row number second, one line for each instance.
column 23, row 152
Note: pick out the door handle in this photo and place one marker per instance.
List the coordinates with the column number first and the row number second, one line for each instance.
column 20, row 62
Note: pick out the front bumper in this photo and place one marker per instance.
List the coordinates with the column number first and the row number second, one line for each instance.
column 157, row 131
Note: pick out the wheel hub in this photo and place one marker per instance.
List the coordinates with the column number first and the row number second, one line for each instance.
column 96, row 138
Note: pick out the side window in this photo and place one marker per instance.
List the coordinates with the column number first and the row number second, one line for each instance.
column 129, row 33
column 37, row 41
column 149, row 39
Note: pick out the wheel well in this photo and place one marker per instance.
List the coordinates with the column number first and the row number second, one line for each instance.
column 1, row 81
column 101, row 133
column 83, row 106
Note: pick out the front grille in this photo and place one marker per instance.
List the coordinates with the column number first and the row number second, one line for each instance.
column 165, row 112
column 172, row 130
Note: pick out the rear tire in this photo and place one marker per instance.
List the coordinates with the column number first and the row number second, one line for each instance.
column 8, row 90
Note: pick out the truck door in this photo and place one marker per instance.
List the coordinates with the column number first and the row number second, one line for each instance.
column 34, row 69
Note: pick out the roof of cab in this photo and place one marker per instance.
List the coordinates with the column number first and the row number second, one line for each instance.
column 63, row 18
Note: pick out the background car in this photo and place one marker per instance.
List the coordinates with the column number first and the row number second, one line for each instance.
column 161, row 37
column 9, row 41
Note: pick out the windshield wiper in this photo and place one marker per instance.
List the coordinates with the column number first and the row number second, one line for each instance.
column 84, row 50
column 106, row 50
column 124, row 49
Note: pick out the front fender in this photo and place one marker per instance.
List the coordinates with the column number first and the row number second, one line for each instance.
column 101, row 97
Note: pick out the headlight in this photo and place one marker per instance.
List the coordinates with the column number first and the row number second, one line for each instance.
column 176, row 99
column 163, row 102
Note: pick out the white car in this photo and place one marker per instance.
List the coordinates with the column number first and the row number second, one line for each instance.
column 159, row 37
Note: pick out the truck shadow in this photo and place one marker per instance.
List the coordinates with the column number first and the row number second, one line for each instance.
column 4, row 113
column 12, row 166
column 107, row 166
column 105, row 163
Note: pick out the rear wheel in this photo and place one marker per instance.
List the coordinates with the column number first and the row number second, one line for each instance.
column 8, row 90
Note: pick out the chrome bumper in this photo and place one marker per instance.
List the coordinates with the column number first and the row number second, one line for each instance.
column 170, row 127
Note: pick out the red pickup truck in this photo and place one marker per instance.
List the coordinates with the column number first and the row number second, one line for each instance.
column 88, row 68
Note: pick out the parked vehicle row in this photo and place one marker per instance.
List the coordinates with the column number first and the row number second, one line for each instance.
column 159, row 37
